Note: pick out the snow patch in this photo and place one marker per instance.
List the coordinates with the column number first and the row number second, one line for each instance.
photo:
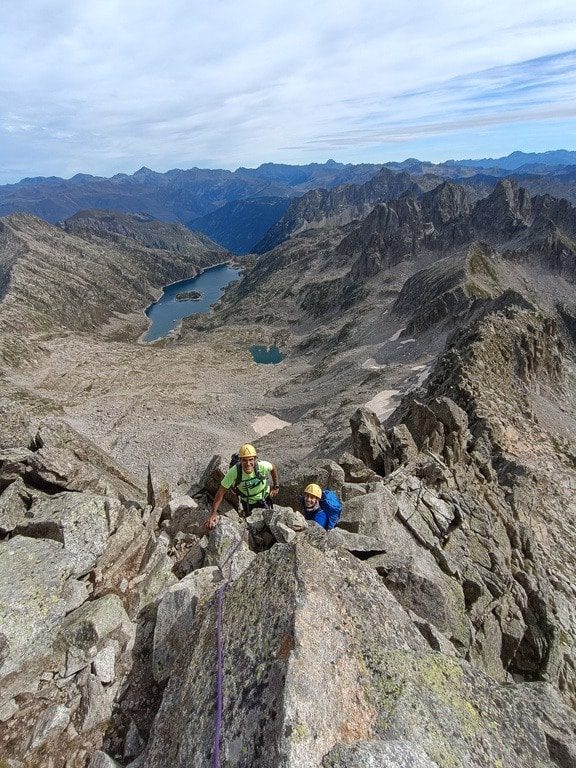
column 268, row 423
column 423, row 376
column 371, row 365
column 382, row 404
column 396, row 335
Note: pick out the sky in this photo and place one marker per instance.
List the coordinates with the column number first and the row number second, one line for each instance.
column 108, row 86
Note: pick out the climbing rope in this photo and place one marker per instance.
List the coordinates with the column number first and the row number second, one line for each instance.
column 220, row 660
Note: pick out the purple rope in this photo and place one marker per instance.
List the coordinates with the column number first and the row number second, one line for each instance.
column 220, row 662
column 219, row 679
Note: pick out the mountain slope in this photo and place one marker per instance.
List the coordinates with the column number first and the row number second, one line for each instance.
column 146, row 231
column 240, row 224
column 53, row 280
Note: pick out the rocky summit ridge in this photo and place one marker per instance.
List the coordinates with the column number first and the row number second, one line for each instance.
column 429, row 380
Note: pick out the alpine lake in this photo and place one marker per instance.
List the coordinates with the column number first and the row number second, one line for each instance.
column 193, row 296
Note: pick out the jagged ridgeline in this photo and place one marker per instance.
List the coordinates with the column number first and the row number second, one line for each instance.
column 429, row 379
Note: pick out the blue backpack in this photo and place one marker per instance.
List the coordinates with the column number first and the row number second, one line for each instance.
column 330, row 510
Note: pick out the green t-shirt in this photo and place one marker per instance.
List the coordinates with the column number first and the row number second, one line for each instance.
column 251, row 487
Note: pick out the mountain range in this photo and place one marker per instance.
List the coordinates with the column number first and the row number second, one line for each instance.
column 237, row 208
column 428, row 324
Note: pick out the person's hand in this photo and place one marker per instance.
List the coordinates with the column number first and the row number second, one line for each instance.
column 211, row 521
column 274, row 491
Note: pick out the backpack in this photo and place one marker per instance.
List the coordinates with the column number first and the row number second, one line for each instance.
column 235, row 461
column 331, row 505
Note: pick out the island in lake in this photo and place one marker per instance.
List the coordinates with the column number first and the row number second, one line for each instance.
column 189, row 296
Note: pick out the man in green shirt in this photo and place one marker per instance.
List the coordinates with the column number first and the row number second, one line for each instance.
column 249, row 479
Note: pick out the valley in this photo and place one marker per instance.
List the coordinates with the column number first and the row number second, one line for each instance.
column 360, row 311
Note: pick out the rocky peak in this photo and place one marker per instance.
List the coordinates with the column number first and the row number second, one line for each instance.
column 388, row 185
column 390, row 234
column 446, row 203
column 506, row 212
column 144, row 171
column 553, row 212
column 337, row 207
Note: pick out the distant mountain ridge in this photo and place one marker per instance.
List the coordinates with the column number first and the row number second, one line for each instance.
column 518, row 159
column 235, row 207
column 177, row 195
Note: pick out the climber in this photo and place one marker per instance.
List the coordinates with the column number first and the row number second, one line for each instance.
column 248, row 477
column 322, row 507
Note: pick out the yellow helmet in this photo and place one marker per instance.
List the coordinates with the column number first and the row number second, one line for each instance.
column 247, row 451
column 313, row 490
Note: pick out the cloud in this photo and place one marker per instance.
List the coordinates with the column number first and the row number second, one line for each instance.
column 109, row 86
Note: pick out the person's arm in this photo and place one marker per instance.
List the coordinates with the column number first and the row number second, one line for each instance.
column 275, row 481
column 212, row 519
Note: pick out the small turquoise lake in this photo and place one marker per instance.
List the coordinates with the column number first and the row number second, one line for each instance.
column 168, row 311
column 266, row 355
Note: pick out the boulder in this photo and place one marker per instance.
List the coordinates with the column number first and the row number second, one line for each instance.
column 352, row 490
column 102, row 760
column 175, row 616
column 227, row 549
column 81, row 522
column 36, row 592
column 438, row 425
column 260, row 536
column 255, row 520
column 451, row 415
column 403, row 447
column 86, row 631
column 284, row 523
column 156, row 574
column 419, row 585
column 49, row 725
column 189, row 519
column 12, row 466
column 95, row 709
column 424, row 426
column 66, row 460
column 358, row 544
column 356, row 471
column 15, row 425
column 278, row 702
column 395, row 753
column 124, row 555
column 104, row 662
column 15, row 502
column 370, row 514
column 213, row 474
column 8, row 710
column 181, row 502
column 369, row 440
column 192, row 559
